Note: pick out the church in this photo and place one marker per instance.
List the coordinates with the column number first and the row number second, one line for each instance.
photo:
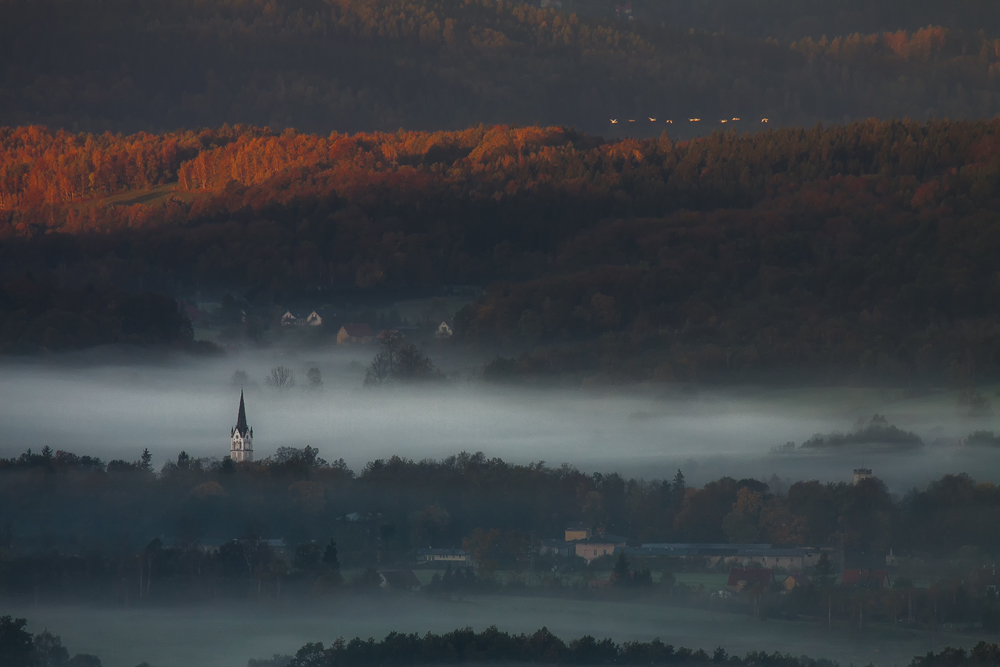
column 241, row 437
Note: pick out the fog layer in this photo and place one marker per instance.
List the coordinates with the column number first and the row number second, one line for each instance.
column 113, row 406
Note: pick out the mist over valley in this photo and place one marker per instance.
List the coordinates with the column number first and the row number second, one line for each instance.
column 410, row 333
column 112, row 404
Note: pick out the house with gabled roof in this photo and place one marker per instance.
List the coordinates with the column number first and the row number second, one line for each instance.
column 443, row 331
column 354, row 333
column 796, row 580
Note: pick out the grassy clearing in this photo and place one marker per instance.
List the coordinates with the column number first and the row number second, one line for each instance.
column 157, row 195
column 147, row 196
column 712, row 581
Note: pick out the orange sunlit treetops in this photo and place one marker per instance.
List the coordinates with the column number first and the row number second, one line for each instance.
column 70, row 177
column 39, row 167
column 865, row 246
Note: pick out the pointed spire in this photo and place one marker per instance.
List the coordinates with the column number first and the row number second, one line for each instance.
column 241, row 420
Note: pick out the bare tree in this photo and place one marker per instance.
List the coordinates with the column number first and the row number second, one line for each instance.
column 412, row 365
column 281, row 378
column 390, row 340
column 380, row 371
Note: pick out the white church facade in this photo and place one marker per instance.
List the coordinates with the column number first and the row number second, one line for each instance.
column 241, row 437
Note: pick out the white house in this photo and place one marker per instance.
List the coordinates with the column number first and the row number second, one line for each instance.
column 314, row 320
column 289, row 320
column 454, row 556
column 443, row 331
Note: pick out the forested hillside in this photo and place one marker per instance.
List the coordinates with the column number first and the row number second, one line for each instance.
column 364, row 65
column 859, row 251
column 794, row 19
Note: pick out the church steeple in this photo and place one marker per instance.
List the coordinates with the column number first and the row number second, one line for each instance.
column 241, row 420
column 241, row 437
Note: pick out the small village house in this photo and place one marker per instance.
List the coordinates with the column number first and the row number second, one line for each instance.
column 443, row 331
column 597, row 546
column 556, row 548
column 444, row 556
column 314, row 319
column 354, row 333
column 795, row 580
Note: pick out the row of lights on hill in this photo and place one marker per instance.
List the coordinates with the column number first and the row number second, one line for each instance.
column 614, row 121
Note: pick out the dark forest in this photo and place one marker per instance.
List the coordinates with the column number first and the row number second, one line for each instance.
column 367, row 65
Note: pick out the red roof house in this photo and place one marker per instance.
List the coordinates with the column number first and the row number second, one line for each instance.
column 354, row 333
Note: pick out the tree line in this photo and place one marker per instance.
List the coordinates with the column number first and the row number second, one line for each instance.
column 366, row 65
column 497, row 510
column 20, row 648
column 788, row 20
column 494, row 646
column 293, row 526
column 39, row 316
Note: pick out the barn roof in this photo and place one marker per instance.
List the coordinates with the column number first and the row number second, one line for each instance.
column 358, row 330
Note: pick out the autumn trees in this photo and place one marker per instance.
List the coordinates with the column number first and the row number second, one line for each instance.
column 860, row 251
column 39, row 167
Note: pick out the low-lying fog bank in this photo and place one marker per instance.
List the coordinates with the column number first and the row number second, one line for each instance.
column 113, row 405
column 229, row 636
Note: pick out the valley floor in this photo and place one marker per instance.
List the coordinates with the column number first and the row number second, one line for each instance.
column 227, row 636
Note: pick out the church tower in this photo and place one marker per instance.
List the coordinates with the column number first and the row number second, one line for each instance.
column 241, row 437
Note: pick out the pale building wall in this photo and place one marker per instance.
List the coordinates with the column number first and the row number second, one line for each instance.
column 590, row 551
column 240, row 448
